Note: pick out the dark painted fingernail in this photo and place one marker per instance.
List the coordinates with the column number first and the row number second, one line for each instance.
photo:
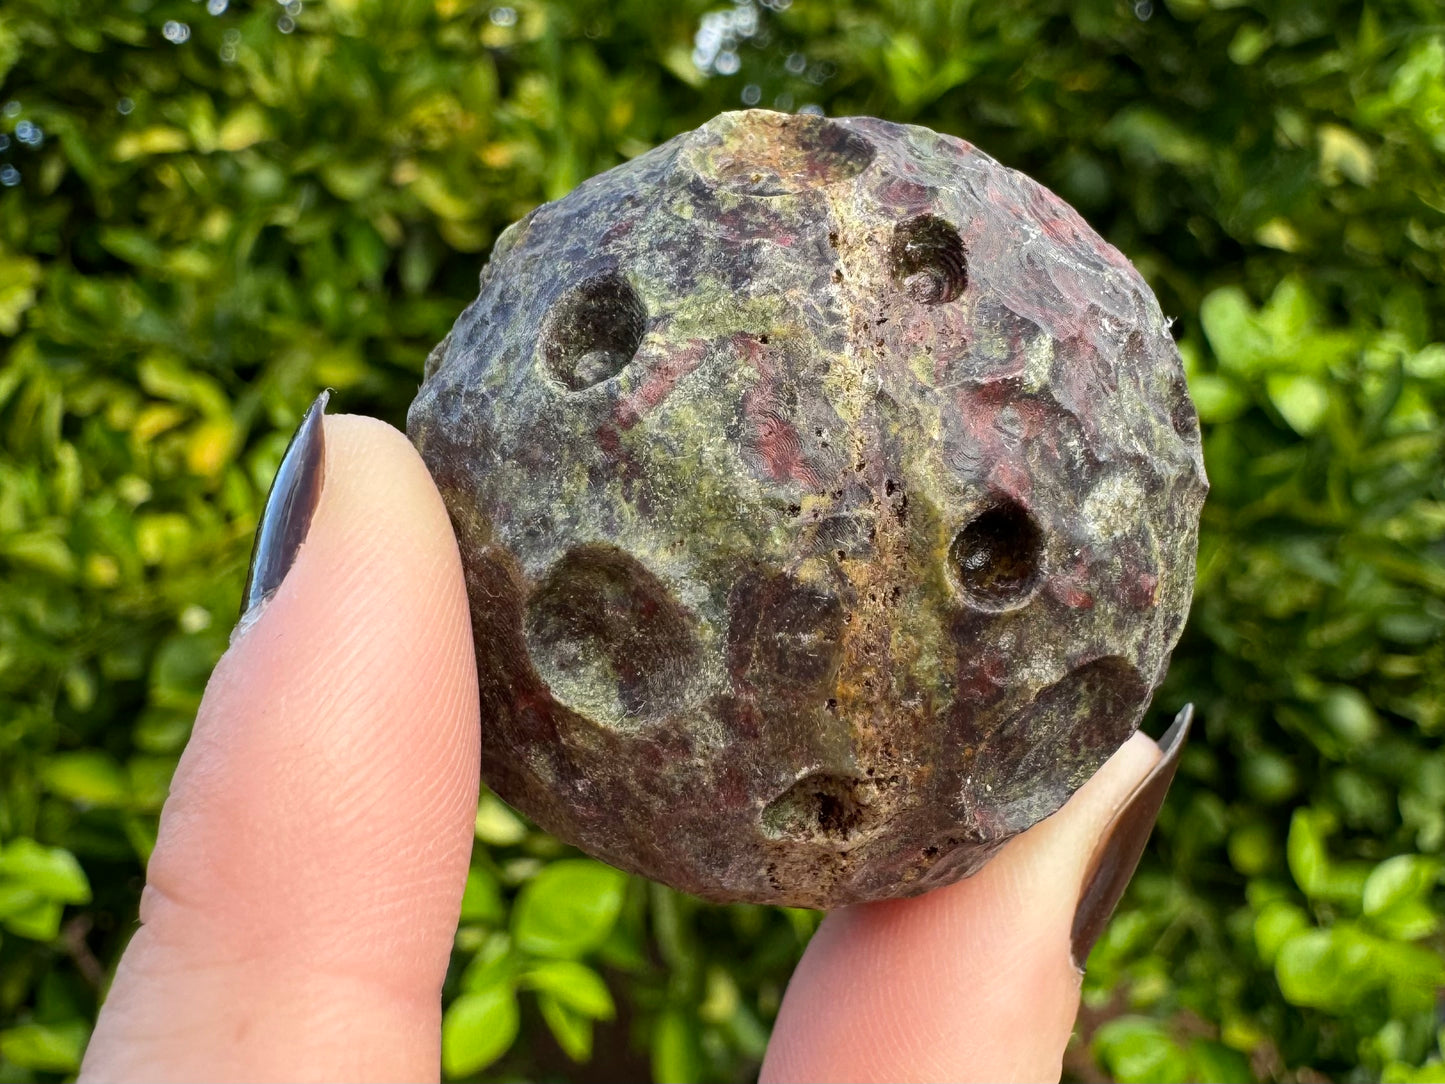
column 1122, row 844
column 289, row 508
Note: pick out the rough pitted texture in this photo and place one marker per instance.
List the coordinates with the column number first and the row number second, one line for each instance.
column 828, row 496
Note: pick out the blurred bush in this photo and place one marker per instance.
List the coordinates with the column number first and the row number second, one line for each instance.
column 209, row 210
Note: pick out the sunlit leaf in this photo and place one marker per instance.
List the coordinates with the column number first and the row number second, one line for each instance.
column 568, row 908
column 477, row 1029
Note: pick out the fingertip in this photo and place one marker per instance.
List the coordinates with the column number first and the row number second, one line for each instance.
column 970, row 982
column 313, row 851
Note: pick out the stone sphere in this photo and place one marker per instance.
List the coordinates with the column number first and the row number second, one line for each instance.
column 828, row 496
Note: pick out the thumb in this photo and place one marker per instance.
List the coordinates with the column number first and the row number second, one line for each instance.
column 303, row 894
column 976, row 981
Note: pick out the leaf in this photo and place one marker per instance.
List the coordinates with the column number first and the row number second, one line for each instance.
column 39, row 922
column 477, row 1029
column 209, row 446
column 1343, row 154
column 352, row 180
column 149, row 141
column 675, row 1055
column 1146, row 134
column 15, row 898
column 47, row 1048
column 678, row 60
column 42, row 551
column 497, row 824
column 572, row 1030
column 51, row 872
column 18, row 280
column 1249, row 44
column 1397, row 892
column 1305, row 852
column 1309, row 862
column 1408, row 920
column 1289, row 314
column 574, row 985
column 1275, row 924
column 11, row 48
column 1432, row 1072
column 1350, row 715
column 1303, row 401
column 1218, row 398
column 1218, row 1064
column 246, row 126
column 568, row 908
column 494, row 964
column 1310, row 968
column 1133, row 1048
column 436, row 193
column 482, row 898
column 88, row 777
column 1236, row 337
column 1428, row 363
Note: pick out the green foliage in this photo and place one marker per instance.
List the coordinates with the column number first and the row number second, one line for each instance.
column 203, row 232
column 568, row 908
column 35, row 885
column 478, row 1028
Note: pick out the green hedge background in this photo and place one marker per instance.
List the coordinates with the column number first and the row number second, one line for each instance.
column 210, row 210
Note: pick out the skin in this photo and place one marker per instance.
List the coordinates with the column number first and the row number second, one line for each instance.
column 301, row 902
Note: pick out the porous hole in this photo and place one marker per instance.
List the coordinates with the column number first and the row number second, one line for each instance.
column 593, row 331
column 929, row 260
column 820, row 807
column 997, row 559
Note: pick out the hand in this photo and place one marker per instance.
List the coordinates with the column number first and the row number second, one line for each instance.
column 303, row 895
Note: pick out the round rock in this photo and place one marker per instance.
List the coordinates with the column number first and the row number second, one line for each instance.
column 828, row 496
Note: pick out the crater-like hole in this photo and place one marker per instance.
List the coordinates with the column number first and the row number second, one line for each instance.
column 609, row 639
column 1182, row 414
column 593, row 331
column 762, row 153
column 997, row 559
column 820, row 807
column 929, row 260
column 1045, row 752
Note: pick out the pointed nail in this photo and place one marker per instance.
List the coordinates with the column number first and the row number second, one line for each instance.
column 1122, row 844
column 289, row 508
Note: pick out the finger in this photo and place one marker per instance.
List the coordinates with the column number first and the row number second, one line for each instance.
column 974, row 981
column 303, row 895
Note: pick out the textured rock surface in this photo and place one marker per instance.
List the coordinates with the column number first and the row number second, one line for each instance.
column 828, row 495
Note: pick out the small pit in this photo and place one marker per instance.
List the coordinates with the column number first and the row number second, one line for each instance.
column 997, row 559
column 819, row 808
column 593, row 331
column 929, row 260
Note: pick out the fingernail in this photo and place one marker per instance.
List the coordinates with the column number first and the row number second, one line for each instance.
column 1122, row 845
column 287, row 515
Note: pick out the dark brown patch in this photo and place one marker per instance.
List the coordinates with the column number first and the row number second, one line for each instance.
column 785, row 637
